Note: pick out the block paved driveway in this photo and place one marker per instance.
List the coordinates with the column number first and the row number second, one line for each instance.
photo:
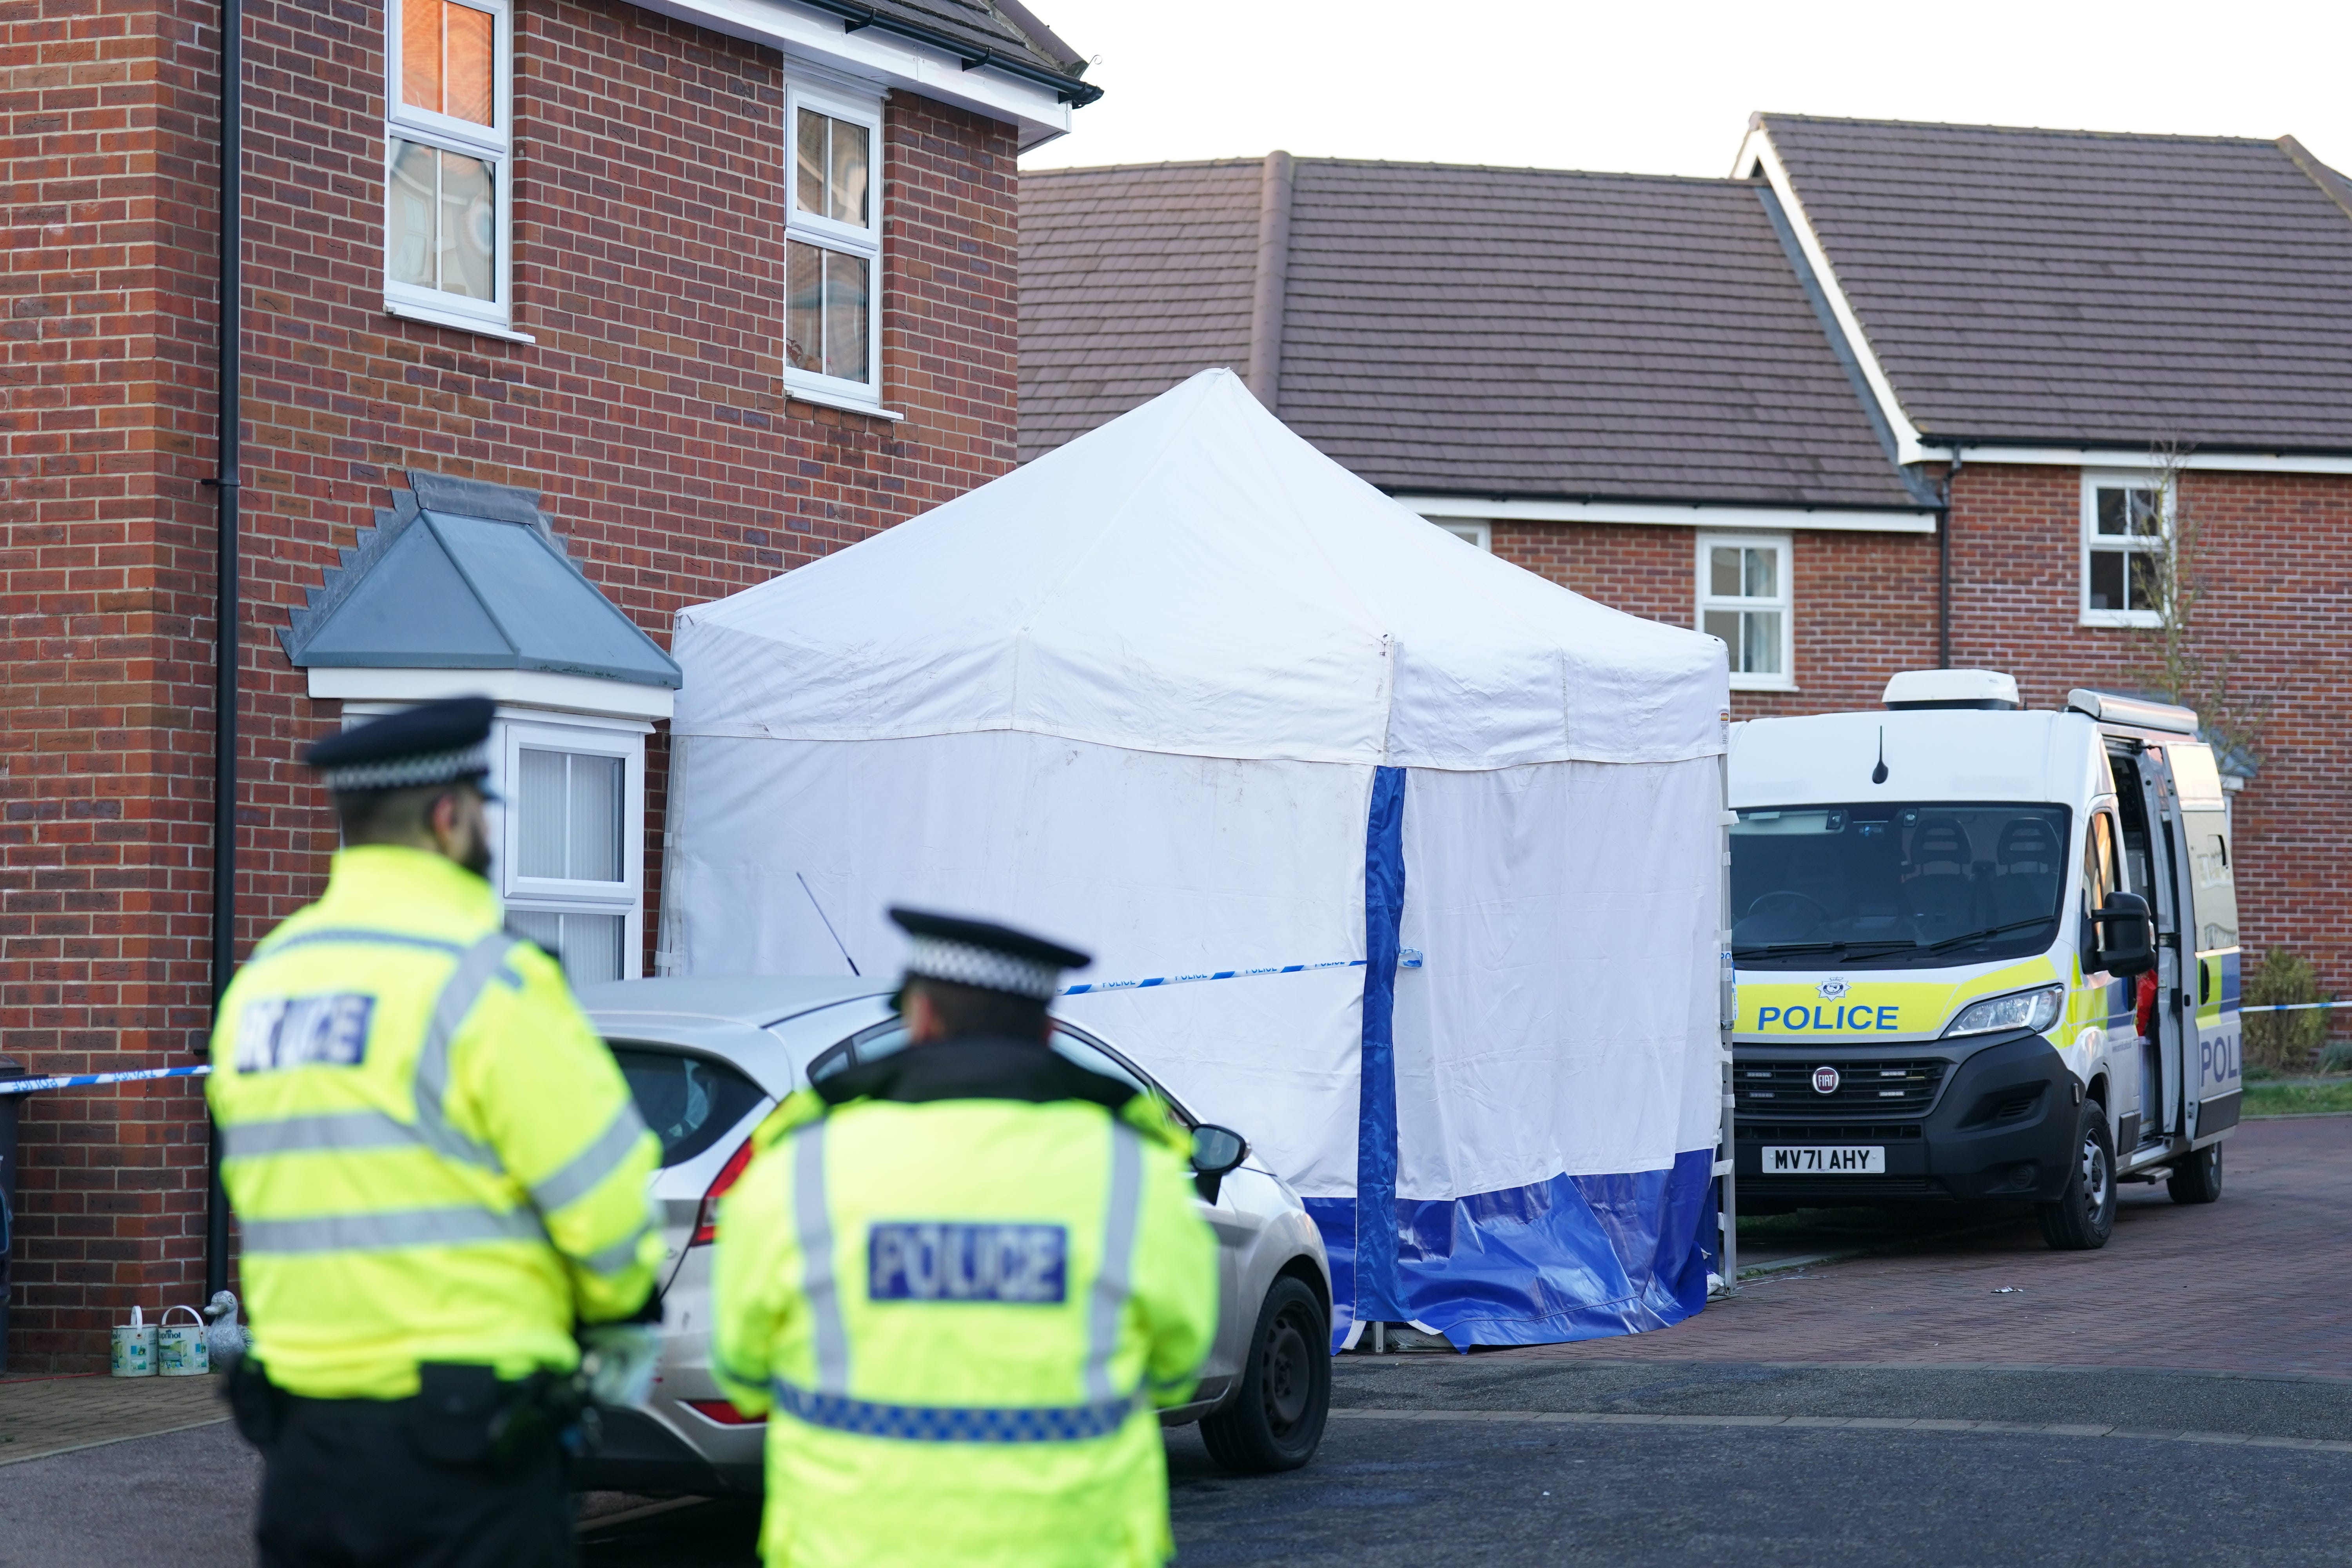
column 2253, row 1283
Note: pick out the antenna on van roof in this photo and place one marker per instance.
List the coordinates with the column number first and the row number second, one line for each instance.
column 1878, row 773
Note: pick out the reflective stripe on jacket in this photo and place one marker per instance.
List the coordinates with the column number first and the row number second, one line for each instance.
column 430, row 1153
column 962, row 1314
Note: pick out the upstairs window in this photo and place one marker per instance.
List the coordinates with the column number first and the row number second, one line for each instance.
column 1744, row 602
column 833, row 249
column 448, row 174
column 1468, row 531
column 2125, row 523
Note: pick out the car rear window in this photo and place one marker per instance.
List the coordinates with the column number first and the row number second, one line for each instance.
column 889, row 1036
column 688, row 1101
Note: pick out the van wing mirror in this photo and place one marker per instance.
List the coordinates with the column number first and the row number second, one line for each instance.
column 2127, row 934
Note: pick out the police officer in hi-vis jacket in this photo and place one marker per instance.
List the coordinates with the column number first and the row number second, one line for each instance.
column 960, row 1280
column 438, row 1174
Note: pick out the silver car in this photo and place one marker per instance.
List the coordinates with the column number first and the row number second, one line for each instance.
column 708, row 1059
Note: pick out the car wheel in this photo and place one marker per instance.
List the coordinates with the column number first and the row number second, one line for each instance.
column 2197, row 1179
column 1275, row 1419
column 2084, row 1214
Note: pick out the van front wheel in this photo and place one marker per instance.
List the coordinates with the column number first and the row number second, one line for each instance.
column 2084, row 1214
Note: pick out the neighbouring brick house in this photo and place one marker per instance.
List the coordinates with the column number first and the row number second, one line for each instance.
column 1738, row 405
column 550, row 307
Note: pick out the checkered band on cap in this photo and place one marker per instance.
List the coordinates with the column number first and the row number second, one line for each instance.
column 983, row 968
column 409, row 773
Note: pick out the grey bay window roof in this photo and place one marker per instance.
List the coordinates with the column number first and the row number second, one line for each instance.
column 2075, row 287
column 463, row 575
column 1512, row 332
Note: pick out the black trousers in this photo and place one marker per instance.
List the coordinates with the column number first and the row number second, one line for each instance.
column 345, row 1485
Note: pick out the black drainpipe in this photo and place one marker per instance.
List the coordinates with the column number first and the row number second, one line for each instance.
column 1943, row 566
column 227, row 643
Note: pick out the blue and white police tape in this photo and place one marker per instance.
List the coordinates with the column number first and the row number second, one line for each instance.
column 79, row 1080
column 1407, row 958
column 2295, row 1006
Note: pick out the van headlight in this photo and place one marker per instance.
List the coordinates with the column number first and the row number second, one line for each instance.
column 2033, row 1011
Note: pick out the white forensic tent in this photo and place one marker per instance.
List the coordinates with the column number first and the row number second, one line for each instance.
column 1189, row 694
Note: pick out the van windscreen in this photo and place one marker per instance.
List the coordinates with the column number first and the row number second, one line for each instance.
column 1896, row 885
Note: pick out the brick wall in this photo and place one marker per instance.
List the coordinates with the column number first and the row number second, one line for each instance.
column 103, row 886
column 2276, row 569
column 1865, row 603
column 647, row 264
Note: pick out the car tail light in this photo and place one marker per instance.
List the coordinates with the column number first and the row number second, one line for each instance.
column 724, row 1413
column 706, row 1224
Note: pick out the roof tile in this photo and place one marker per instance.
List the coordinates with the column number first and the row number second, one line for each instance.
column 2074, row 287
column 1507, row 332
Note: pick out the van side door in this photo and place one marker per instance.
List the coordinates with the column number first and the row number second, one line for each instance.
column 2210, row 983
column 2151, row 870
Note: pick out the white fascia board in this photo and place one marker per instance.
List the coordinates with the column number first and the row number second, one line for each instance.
column 1697, row 514
column 2142, row 460
column 1757, row 149
column 884, row 58
column 508, row 687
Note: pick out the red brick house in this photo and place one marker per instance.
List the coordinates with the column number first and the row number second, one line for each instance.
column 556, row 315
column 1891, row 396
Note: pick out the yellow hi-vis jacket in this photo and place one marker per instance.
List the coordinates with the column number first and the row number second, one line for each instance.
column 960, row 1306
column 431, row 1155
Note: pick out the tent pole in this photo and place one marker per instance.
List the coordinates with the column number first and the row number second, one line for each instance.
column 1727, row 1019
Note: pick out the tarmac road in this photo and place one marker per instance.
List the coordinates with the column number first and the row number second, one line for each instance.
column 1443, row 1460
column 184, row 1500
column 1518, row 1493
column 1440, row 1459
column 2182, row 1398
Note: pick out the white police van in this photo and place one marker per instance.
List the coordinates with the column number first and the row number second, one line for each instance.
column 1940, row 916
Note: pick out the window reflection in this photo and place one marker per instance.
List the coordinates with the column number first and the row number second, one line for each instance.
column 832, row 160
column 827, row 330
column 442, row 212
column 446, row 60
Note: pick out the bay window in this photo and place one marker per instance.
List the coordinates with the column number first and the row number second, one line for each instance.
column 570, row 859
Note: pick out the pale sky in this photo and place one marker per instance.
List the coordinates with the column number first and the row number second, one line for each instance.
column 1667, row 88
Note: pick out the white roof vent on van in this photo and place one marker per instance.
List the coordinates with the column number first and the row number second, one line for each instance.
column 1952, row 689
column 2140, row 712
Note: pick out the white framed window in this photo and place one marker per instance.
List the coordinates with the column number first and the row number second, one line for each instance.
column 448, row 161
column 1470, row 530
column 570, row 843
column 1744, row 602
column 833, row 245
column 2126, row 518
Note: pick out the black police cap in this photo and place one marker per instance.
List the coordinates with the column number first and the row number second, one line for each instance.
column 434, row 743
column 983, row 954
